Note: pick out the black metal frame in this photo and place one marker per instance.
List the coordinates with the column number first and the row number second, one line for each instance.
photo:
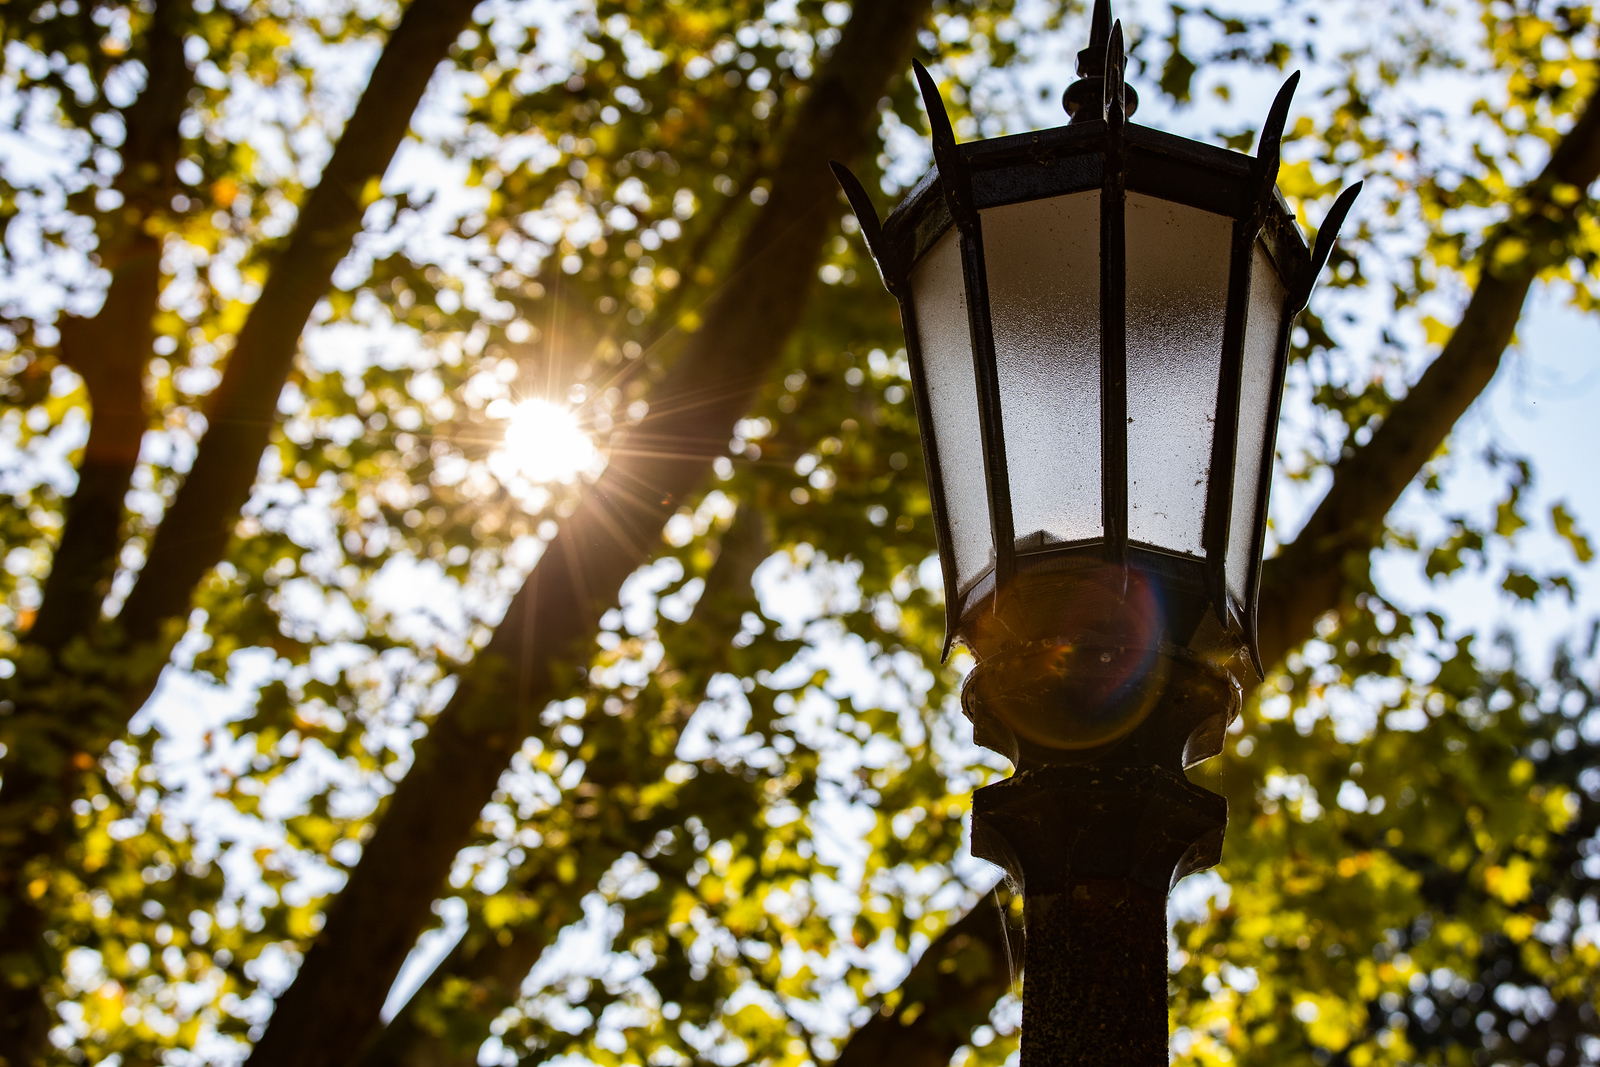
column 1240, row 618
column 1102, row 151
column 1114, row 304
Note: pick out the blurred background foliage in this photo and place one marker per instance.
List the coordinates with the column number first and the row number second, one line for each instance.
column 747, row 819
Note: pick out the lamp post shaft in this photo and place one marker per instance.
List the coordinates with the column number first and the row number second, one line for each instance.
column 1095, row 846
column 1094, row 979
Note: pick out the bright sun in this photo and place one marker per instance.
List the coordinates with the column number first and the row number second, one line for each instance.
column 547, row 444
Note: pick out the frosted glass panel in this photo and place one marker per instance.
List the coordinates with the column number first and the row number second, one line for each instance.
column 940, row 298
column 1262, row 327
column 1177, row 289
column 1043, row 260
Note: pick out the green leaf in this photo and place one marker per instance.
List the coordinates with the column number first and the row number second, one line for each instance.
column 1567, row 529
column 1520, row 585
column 1177, row 74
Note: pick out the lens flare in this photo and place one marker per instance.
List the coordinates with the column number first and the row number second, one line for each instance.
column 1073, row 660
column 546, row 443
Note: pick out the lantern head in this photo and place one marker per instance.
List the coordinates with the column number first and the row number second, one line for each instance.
column 1098, row 319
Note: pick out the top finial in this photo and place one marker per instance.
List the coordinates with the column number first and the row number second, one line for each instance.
column 1085, row 98
column 1091, row 59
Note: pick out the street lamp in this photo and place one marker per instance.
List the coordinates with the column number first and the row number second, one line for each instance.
column 1098, row 321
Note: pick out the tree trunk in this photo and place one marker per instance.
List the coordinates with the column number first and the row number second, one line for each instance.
column 328, row 1012
column 495, row 963
column 110, row 351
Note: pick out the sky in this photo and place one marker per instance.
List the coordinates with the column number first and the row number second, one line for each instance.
column 1544, row 404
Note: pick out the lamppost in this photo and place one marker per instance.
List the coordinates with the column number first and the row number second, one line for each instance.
column 1098, row 321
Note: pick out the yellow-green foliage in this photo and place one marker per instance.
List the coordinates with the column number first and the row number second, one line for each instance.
column 607, row 187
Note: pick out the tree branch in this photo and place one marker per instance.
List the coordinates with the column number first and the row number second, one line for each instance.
column 493, row 964
column 948, row 994
column 240, row 415
column 334, row 1001
column 109, row 350
column 1308, row 578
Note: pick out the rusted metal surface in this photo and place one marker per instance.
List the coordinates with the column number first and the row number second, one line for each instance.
column 1054, row 827
column 1094, row 979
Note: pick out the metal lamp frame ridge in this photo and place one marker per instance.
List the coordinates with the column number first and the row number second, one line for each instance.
column 897, row 282
column 871, row 228
column 1114, row 310
column 1299, row 297
column 955, row 180
column 1331, row 224
column 1247, row 225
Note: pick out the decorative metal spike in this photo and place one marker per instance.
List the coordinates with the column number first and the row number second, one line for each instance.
column 1115, row 92
column 944, row 137
column 1086, row 97
column 1325, row 238
column 1099, row 33
column 1254, row 654
column 953, row 176
column 1267, row 152
column 871, row 228
column 1110, row 104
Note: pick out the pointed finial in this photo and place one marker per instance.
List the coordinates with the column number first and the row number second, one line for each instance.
column 1271, row 144
column 944, row 136
column 1325, row 238
column 871, row 228
column 1115, row 87
column 953, row 175
column 1085, row 98
column 1099, row 35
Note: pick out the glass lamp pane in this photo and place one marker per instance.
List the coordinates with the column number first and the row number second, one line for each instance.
column 939, row 296
column 1263, row 328
column 1177, row 292
column 1043, row 262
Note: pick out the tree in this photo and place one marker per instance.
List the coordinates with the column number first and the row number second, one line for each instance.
column 648, row 206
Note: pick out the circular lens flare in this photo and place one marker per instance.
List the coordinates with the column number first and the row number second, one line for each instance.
column 1070, row 659
column 546, row 443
